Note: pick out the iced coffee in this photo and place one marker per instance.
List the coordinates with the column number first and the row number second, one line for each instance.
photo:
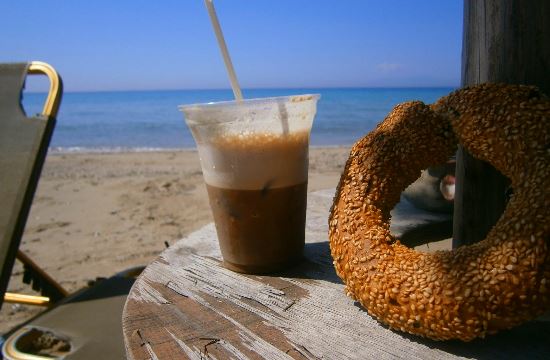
column 254, row 156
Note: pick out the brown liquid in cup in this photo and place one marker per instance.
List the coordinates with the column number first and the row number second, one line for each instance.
column 260, row 231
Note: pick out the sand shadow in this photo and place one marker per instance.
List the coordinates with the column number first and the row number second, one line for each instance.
column 112, row 287
column 427, row 233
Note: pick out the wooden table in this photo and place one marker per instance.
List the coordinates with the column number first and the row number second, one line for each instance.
column 186, row 305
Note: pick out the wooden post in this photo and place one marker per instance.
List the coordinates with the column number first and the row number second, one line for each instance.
column 504, row 41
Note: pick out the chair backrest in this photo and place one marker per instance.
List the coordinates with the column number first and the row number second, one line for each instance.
column 23, row 146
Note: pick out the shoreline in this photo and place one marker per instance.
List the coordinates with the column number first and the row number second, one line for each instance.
column 97, row 213
column 117, row 150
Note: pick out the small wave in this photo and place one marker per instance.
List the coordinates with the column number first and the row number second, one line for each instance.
column 116, row 149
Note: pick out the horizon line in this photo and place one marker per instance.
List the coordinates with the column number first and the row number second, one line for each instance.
column 254, row 88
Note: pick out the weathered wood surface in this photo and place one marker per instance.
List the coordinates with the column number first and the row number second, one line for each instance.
column 186, row 305
column 504, row 41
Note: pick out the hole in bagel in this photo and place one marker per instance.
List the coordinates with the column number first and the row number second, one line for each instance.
column 426, row 209
column 434, row 189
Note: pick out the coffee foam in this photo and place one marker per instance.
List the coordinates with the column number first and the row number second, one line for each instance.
column 252, row 161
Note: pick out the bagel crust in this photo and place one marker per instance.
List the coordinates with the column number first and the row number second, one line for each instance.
column 473, row 290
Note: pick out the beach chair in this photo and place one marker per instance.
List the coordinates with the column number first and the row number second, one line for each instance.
column 83, row 325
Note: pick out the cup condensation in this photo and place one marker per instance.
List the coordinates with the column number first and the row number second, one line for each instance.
column 254, row 158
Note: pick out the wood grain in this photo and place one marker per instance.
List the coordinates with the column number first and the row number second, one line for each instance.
column 186, row 305
column 504, row 41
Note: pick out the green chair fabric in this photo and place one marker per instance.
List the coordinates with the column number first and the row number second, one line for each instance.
column 23, row 146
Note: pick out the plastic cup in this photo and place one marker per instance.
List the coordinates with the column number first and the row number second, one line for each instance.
column 254, row 158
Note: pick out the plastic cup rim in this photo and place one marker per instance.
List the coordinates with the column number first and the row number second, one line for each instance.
column 254, row 101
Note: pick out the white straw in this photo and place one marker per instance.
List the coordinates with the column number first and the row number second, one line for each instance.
column 221, row 42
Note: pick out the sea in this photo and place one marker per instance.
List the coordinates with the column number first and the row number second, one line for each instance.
column 150, row 120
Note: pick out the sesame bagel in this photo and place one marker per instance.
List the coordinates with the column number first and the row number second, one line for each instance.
column 473, row 290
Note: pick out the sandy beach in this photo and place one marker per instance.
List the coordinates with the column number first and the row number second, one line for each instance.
column 95, row 214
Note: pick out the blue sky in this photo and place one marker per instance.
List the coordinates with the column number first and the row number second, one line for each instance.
column 144, row 44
